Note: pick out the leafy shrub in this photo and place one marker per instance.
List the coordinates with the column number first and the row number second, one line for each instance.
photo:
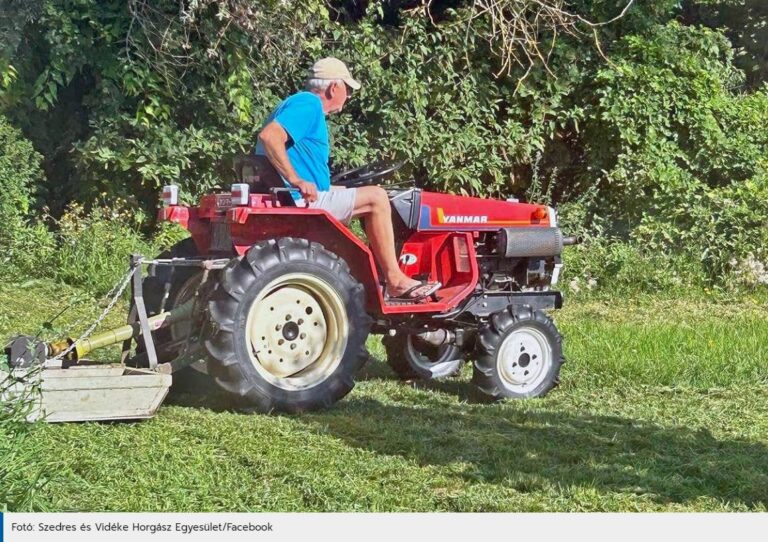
column 616, row 267
column 661, row 149
column 667, row 115
column 682, row 155
column 439, row 108
column 88, row 249
column 606, row 264
column 714, row 225
column 19, row 169
column 93, row 247
column 165, row 236
column 429, row 95
column 22, row 243
column 26, row 250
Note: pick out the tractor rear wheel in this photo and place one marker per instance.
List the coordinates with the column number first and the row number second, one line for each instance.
column 412, row 359
column 519, row 354
column 288, row 327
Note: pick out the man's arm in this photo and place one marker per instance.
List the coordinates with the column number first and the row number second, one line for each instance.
column 273, row 137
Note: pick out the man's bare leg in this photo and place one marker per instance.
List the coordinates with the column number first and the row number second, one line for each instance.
column 372, row 203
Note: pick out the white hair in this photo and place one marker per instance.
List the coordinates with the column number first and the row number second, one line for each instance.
column 319, row 85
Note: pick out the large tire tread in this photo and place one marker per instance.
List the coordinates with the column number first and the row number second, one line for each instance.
column 255, row 269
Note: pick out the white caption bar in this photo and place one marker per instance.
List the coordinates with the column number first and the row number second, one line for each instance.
column 87, row 527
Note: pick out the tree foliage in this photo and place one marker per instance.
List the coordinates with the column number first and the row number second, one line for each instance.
column 648, row 126
column 744, row 22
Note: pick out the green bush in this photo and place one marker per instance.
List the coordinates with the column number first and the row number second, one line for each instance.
column 719, row 226
column 86, row 248
column 93, row 248
column 660, row 148
column 165, row 236
column 668, row 108
column 608, row 267
column 26, row 250
column 19, row 169
column 22, row 242
column 443, row 112
column 680, row 156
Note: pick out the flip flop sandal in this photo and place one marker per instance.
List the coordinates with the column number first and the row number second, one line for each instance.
column 406, row 296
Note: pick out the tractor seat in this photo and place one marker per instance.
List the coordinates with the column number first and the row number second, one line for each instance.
column 261, row 176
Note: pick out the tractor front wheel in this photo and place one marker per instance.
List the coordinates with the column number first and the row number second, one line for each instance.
column 288, row 327
column 519, row 354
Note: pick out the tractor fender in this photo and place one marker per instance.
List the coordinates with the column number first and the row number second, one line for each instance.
column 249, row 225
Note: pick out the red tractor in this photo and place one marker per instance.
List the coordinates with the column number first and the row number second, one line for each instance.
column 285, row 316
column 279, row 301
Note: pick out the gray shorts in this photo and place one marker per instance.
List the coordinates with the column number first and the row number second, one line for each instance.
column 340, row 203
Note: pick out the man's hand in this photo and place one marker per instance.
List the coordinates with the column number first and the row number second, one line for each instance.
column 308, row 190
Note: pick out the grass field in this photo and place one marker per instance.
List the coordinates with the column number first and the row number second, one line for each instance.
column 662, row 407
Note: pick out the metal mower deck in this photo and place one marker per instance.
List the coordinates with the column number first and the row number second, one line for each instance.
column 90, row 392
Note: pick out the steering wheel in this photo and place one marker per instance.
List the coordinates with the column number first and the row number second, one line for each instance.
column 366, row 175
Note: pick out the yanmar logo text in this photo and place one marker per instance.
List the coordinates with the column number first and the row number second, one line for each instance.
column 443, row 218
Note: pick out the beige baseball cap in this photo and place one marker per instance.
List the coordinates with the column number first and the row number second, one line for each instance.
column 332, row 68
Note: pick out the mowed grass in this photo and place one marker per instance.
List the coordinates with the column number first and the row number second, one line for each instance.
column 662, row 407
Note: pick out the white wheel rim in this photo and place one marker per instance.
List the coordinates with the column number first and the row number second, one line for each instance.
column 296, row 331
column 524, row 359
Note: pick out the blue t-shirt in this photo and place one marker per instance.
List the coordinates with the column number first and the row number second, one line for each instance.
column 302, row 117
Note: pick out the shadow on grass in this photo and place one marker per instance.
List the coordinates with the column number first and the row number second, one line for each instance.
column 529, row 449
column 377, row 369
column 197, row 390
column 530, row 446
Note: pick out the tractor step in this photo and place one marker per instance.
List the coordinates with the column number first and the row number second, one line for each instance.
column 87, row 392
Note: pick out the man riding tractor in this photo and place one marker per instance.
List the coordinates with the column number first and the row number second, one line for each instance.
column 291, row 296
column 294, row 139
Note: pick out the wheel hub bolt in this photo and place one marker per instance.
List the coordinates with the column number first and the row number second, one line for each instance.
column 287, row 317
column 303, row 336
column 293, row 346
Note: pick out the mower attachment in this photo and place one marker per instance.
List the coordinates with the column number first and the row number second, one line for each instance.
column 57, row 383
column 86, row 392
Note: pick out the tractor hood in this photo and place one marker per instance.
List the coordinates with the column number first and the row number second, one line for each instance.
column 462, row 213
